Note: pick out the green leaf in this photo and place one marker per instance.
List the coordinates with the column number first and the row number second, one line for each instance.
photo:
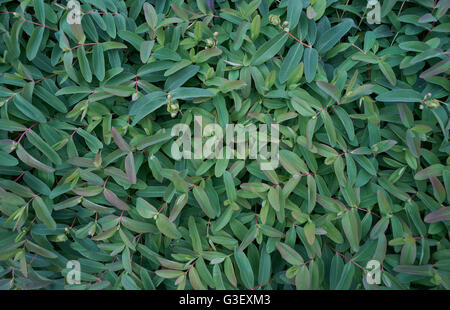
column 167, row 227
column 388, row 72
column 28, row 109
column 245, row 269
column 34, row 42
column 98, row 62
column 84, row 64
column 269, row 49
column 43, row 214
column 203, row 201
column 206, row 54
column 189, row 93
column 50, row 99
column 146, row 105
column 195, row 280
column 293, row 12
column 311, row 59
column 37, row 249
column 232, row 85
column 424, row 174
column 131, row 38
column 350, row 226
column 229, row 186
column 239, row 35
column 112, row 198
column 400, row 95
column 330, row 90
column 332, row 36
column 292, row 59
column 178, row 79
column 31, row 161
column 128, row 282
column 146, row 50
column 440, row 215
column 150, row 15
column 8, row 160
column 289, row 254
column 177, row 67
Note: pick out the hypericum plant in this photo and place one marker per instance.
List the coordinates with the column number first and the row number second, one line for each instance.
column 91, row 196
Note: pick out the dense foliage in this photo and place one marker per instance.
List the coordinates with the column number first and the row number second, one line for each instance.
column 87, row 174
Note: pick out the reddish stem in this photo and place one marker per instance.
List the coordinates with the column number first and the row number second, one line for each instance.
column 298, row 40
column 359, row 49
column 23, row 134
column 305, row 174
column 85, row 44
column 321, row 111
column 74, row 132
column 47, row 77
column 115, row 257
column 120, row 218
column 13, row 95
column 368, row 211
column 192, row 265
column 73, row 222
column 162, row 208
column 32, row 260
column 37, row 24
column 349, row 259
column 342, row 154
column 21, row 91
column 20, row 175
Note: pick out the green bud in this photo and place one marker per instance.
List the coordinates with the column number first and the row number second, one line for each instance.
column 61, row 238
column 274, row 19
column 209, row 42
column 432, row 104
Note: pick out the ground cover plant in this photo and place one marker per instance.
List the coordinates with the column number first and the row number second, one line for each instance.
column 92, row 197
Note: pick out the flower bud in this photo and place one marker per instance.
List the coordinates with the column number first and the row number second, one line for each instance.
column 61, row 238
column 173, row 109
column 209, row 42
column 432, row 104
column 274, row 19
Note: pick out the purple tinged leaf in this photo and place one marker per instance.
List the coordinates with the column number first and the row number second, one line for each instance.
column 119, row 141
column 130, row 168
column 114, row 200
column 440, row 215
